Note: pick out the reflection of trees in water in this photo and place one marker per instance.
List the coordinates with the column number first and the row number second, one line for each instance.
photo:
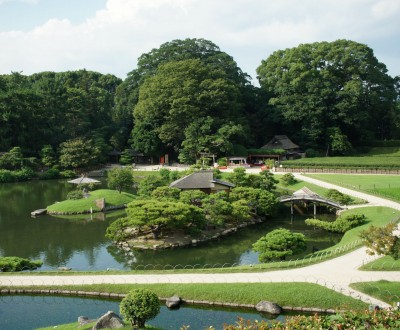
column 224, row 251
column 58, row 239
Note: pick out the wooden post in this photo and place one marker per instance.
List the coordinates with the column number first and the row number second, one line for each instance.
column 315, row 210
column 291, row 208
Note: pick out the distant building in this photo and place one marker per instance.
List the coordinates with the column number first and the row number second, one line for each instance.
column 202, row 180
column 282, row 142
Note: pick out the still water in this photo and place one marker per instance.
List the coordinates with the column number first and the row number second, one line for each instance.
column 31, row 312
column 78, row 241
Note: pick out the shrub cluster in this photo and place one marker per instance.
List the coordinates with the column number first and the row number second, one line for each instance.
column 16, row 264
column 24, row 174
column 377, row 319
column 340, row 225
column 339, row 197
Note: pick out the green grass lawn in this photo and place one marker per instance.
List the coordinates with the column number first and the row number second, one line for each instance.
column 112, row 197
column 385, row 263
column 386, row 291
column 296, row 294
column 369, row 161
column 382, row 185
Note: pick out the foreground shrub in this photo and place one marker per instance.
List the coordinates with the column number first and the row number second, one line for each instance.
column 288, row 179
column 16, row 264
column 139, row 306
column 377, row 319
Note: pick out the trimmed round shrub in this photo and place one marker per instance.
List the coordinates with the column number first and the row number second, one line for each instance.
column 139, row 306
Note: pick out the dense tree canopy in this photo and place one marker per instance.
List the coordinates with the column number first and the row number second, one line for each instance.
column 185, row 102
column 330, row 87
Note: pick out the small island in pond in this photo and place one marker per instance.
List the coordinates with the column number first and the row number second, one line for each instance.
column 95, row 201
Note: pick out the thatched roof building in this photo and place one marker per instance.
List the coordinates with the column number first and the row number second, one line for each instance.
column 202, row 180
column 281, row 142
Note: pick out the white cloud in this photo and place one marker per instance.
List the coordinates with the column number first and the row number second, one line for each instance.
column 249, row 30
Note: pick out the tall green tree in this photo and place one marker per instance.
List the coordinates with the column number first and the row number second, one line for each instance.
column 120, row 178
column 183, row 100
column 78, row 154
column 323, row 85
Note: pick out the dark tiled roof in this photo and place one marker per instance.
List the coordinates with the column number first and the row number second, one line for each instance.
column 280, row 142
column 199, row 180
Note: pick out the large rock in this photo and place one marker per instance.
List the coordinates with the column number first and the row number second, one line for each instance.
column 173, row 302
column 110, row 320
column 269, row 307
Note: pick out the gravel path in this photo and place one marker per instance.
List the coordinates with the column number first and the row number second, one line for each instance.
column 335, row 274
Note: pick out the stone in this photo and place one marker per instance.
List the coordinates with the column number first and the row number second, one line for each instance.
column 269, row 307
column 64, row 269
column 173, row 302
column 83, row 320
column 110, row 320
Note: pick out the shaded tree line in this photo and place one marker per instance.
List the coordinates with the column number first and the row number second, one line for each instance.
column 188, row 97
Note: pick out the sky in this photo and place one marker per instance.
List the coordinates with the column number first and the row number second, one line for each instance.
column 108, row 36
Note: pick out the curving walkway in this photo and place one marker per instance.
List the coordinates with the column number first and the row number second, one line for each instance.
column 335, row 274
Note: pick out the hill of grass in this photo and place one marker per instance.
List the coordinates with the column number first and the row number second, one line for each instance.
column 112, row 197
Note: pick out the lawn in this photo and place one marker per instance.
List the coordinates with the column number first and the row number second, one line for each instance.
column 112, row 197
column 383, row 185
column 295, row 294
column 385, row 263
column 386, row 291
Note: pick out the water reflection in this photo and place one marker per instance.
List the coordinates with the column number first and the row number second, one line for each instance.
column 31, row 312
column 79, row 242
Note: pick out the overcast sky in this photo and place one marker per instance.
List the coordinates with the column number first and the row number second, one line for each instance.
column 109, row 35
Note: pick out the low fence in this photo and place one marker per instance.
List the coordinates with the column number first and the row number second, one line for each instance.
column 335, row 170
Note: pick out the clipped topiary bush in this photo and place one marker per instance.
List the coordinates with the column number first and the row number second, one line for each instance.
column 139, row 306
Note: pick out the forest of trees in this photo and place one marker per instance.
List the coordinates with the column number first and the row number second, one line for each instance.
column 188, row 97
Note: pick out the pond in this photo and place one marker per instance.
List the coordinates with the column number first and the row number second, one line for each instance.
column 78, row 242
column 31, row 312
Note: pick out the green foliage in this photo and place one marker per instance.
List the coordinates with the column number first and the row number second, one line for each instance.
column 192, row 197
column 382, row 241
column 381, row 319
column 48, row 156
column 51, row 173
column 266, row 151
column 278, row 244
column 261, row 202
column 78, row 154
column 288, row 179
column 328, row 85
column 340, row 225
column 339, row 197
column 150, row 183
column 24, row 174
column 156, row 216
column 16, row 264
column 139, row 306
column 218, row 211
column 120, row 178
column 75, row 194
column 165, row 192
column 67, row 174
column 190, row 106
column 238, row 177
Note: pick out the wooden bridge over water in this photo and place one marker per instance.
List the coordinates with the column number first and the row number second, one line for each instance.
column 305, row 195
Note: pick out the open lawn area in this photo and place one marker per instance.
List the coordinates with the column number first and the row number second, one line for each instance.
column 387, row 186
column 383, row 290
column 386, row 263
column 296, row 294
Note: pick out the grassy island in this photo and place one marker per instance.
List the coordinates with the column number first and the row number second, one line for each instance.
column 113, row 199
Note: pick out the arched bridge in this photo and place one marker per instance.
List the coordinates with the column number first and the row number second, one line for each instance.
column 306, row 195
column 308, row 198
